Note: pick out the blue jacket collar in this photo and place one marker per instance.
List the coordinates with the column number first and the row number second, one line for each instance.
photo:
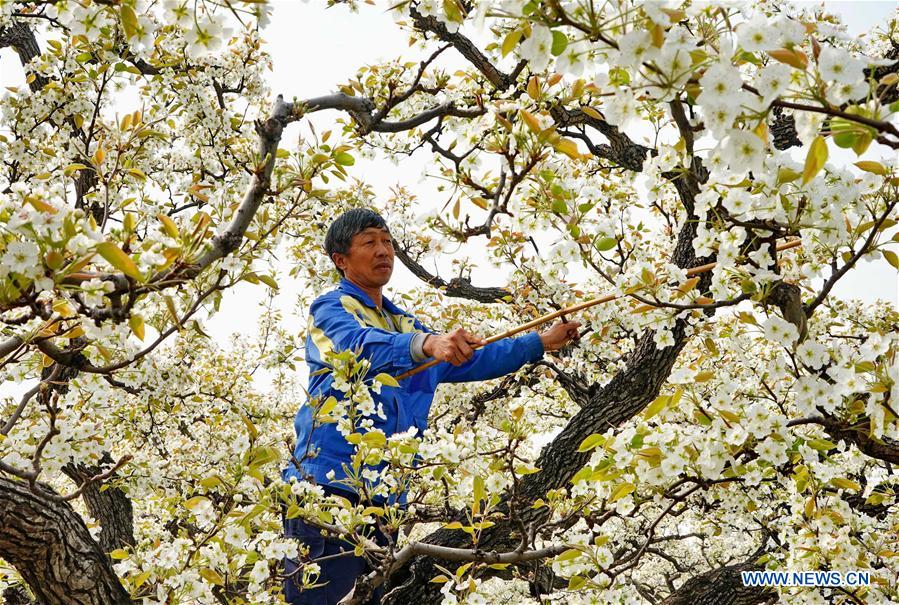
column 348, row 287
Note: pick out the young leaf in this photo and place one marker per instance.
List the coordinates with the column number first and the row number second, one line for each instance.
column 129, row 20
column 136, row 323
column 560, row 43
column 658, row 404
column 118, row 259
column 793, row 58
column 531, row 121
column 874, row 167
column 387, row 380
column 814, row 161
column 591, row 442
column 168, row 225
column 511, row 41
column 344, row 159
column 621, row 491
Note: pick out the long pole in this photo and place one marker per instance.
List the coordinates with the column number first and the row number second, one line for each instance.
column 573, row 309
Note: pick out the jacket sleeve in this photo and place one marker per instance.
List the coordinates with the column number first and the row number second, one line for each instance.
column 335, row 328
column 496, row 359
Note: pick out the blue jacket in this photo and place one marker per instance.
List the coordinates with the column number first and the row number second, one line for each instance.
column 347, row 319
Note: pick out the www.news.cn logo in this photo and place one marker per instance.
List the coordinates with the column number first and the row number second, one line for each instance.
column 806, row 578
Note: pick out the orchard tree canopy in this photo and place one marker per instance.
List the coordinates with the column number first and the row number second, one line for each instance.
column 741, row 419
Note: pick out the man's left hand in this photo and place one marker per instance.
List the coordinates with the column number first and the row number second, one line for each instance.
column 560, row 335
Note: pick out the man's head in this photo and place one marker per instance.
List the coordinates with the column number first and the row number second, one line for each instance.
column 360, row 245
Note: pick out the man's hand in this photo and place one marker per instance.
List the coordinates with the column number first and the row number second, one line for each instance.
column 560, row 335
column 455, row 347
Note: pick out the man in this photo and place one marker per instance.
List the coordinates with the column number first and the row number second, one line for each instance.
column 357, row 316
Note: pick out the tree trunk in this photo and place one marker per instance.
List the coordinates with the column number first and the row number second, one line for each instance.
column 50, row 546
column 722, row 586
column 111, row 507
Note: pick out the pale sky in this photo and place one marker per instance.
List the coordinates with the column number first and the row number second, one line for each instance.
column 314, row 49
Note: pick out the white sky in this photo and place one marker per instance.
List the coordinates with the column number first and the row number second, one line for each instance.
column 314, row 49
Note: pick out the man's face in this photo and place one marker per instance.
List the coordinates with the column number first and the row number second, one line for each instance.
column 369, row 261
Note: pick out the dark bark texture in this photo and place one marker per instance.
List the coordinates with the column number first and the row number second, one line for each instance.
column 111, row 507
column 721, row 586
column 50, row 546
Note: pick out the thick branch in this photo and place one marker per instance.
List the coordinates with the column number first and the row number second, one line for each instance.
column 467, row 49
column 722, row 586
column 19, row 36
column 458, row 287
column 49, row 545
column 620, row 149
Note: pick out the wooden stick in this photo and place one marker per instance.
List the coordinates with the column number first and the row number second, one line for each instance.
column 573, row 309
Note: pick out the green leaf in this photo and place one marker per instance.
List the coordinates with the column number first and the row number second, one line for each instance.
column 822, row 445
column 704, row 376
column 568, row 147
column 211, row 482
column 843, row 483
column 168, row 225
column 873, row 167
column 136, row 323
column 658, row 404
column 328, row 406
column 621, row 491
column 344, row 159
column 815, row 159
column 559, row 206
column 374, row 438
column 72, row 168
column 786, row 175
column 605, row 244
column 591, row 442
column 212, row 576
column 118, row 554
column 118, row 259
column 269, row 281
column 453, row 13
column 511, row 41
column 192, row 503
column 129, row 20
column 891, row 257
column 170, row 305
column 568, row 555
column 575, row 582
column 479, row 492
column 387, row 380
column 560, row 43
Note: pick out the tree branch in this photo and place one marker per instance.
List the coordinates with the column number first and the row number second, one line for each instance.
column 458, row 287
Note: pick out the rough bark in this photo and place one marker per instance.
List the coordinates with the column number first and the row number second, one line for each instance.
column 16, row 595
column 20, row 37
column 458, row 287
column 885, row 448
column 50, row 546
column 721, row 586
column 110, row 507
column 467, row 49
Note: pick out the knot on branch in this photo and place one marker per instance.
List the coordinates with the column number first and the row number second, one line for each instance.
column 788, row 298
column 783, row 130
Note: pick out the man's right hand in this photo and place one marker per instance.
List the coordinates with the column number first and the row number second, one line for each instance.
column 456, row 348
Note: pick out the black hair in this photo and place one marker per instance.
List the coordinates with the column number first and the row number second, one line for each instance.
column 340, row 233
